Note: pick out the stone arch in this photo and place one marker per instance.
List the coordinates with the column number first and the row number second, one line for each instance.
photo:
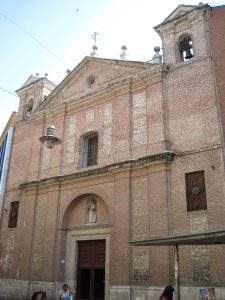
column 76, row 212
column 76, row 208
column 28, row 108
column 185, row 45
column 80, row 193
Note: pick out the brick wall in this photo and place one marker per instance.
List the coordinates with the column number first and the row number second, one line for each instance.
column 156, row 109
column 217, row 24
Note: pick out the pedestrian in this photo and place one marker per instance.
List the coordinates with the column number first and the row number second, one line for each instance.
column 39, row 295
column 64, row 294
column 167, row 293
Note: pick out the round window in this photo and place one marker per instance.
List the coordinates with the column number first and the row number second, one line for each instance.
column 90, row 80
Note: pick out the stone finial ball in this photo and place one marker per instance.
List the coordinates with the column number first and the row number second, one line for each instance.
column 124, row 47
column 156, row 48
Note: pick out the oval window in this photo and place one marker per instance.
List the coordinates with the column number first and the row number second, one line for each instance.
column 90, row 80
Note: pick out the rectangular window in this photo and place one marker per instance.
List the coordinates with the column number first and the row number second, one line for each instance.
column 195, row 191
column 92, row 151
column 13, row 214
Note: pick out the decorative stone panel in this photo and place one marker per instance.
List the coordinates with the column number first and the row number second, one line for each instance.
column 198, row 222
column 107, row 132
column 200, row 254
column 139, row 119
column 201, row 265
column 108, row 113
column 141, row 271
column 8, row 260
column 140, row 209
column 107, row 139
column 70, row 142
column 89, row 116
column 38, row 239
column 72, row 126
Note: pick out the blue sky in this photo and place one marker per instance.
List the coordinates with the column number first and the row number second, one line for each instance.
column 68, row 34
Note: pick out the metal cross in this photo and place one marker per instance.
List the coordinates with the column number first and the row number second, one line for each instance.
column 94, row 37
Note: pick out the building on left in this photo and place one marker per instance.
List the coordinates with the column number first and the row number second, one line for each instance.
column 5, row 152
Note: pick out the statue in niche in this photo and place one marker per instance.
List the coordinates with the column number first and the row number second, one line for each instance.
column 91, row 211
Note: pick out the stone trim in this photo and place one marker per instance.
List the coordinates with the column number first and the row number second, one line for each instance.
column 168, row 156
column 71, row 258
column 199, row 238
column 154, row 73
column 87, row 226
column 179, row 65
column 167, row 20
column 77, row 69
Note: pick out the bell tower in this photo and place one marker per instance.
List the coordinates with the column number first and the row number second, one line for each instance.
column 32, row 93
column 185, row 34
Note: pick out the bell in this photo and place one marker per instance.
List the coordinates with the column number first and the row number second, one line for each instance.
column 188, row 53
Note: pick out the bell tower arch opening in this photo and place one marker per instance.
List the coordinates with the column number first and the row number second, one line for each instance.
column 185, row 47
column 32, row 93
column 185, row 34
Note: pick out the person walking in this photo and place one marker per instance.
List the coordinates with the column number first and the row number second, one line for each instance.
column 167, row 293
column 64, row 294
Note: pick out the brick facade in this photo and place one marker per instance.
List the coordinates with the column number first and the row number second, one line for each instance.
column 155, row 122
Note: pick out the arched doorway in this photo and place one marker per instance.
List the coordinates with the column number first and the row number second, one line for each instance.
column 87, row 247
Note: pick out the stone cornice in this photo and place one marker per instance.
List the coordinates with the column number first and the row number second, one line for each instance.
column 167, row 156
column 150, row 76
column 155, row 73
column 176, row 66
column 86, row 227
column 193, row 15
column 86, row 60
column 39, row 116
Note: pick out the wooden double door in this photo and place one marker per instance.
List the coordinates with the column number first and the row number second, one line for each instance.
column 91, row 270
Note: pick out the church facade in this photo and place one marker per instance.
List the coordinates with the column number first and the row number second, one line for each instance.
column 121, row 151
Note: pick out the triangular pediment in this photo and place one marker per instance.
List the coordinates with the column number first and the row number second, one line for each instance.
column 30, row 80
column 90, row 75
column 179, row 11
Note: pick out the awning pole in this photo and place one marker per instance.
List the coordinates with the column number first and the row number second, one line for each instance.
column 176, row 272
